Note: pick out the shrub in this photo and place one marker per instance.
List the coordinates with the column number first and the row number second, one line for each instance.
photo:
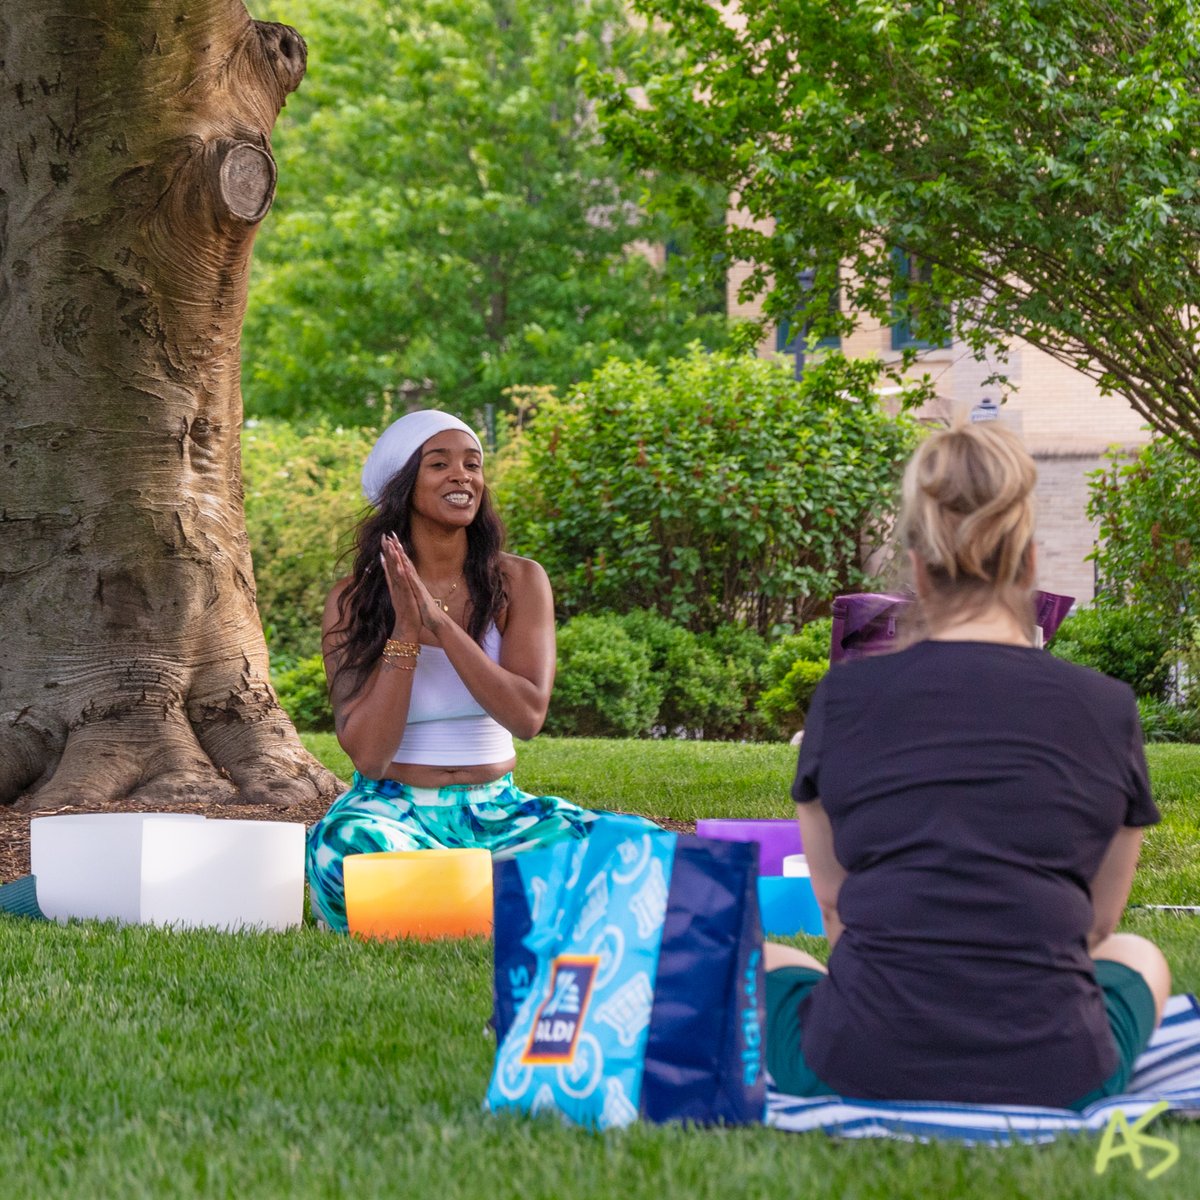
column 812, row 642
column 1163, row 721
column 790, row 674
column 303, row 695
column 1127, row 643
column 696, row 693
column 717, row 490
column 604, row 686
column 741, row 653
column 1148, row 510
column 639, row 674
column 303, row 499
column 786, row 704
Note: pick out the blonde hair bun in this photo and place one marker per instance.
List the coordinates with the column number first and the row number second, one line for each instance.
column 969, row 516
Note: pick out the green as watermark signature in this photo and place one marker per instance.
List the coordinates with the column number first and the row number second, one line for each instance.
column 1122, row 1138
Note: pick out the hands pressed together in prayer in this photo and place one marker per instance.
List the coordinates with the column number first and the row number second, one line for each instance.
column 414, row 606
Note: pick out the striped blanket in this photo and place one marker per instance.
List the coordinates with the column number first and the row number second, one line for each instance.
column 1169, row 1070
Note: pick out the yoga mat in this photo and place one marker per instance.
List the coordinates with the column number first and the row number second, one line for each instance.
column 1168, row 1072
column 19, row 898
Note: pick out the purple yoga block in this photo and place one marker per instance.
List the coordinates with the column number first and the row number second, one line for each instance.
column 776, row 838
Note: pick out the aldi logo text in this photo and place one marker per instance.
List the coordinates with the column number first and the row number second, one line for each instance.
column 560, row 1017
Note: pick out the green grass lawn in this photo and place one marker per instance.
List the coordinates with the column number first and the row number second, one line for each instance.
column 137, row 1062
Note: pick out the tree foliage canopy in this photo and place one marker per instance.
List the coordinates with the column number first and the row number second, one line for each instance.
column 454, row 222
column 1147, row 553
column 1039, row 155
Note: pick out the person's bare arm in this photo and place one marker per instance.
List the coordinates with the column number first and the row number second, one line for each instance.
column 1113, row 879
column 370, row 724
column 816, row 835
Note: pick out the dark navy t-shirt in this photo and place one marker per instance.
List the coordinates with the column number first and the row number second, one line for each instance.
column 973, row 789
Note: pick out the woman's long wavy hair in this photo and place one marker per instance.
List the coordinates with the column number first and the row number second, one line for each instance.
column 365, row 614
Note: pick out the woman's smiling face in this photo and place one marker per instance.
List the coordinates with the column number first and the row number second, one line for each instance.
column 450, row 479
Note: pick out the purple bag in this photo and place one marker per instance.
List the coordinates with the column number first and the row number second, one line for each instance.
column 865, row 623
column 1051, row 611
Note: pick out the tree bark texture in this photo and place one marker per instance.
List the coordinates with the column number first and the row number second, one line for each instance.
column 135, row 165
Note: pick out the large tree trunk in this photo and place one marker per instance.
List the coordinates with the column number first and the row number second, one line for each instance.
column 135, row 166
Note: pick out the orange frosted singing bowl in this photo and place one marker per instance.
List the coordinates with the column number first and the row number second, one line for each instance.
column 419, row 893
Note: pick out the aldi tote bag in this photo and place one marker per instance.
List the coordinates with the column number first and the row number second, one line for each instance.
column 629, row 979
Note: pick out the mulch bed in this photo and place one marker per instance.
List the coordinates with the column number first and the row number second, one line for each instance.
column 14, row 826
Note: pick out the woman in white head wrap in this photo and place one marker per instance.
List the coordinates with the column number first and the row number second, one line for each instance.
column 438, row 648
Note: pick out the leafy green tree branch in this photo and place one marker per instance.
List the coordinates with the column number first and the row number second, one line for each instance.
column 1040, row 156
column 454, row 222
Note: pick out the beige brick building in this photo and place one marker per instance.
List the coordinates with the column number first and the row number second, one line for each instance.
column 1066, row 424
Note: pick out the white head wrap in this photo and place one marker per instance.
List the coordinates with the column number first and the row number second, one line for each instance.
column 399, row 442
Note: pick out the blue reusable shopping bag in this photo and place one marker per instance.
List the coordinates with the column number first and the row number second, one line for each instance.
column 629, row 979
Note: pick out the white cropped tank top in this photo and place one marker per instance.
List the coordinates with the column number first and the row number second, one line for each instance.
column 446, row 725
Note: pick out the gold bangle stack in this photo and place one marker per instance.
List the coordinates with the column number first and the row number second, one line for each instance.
column 401, row 656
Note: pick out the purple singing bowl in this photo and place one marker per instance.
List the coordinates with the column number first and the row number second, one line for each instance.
column 776, row 838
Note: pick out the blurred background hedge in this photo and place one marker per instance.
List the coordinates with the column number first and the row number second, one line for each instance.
column 715, row 490
column 639, row 672
column 695, row 519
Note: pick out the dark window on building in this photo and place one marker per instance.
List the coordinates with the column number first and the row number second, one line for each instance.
column 907, row 331
column 786, row 334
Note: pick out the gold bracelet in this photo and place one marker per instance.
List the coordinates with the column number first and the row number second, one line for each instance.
column 393, row 661
column 407, row 649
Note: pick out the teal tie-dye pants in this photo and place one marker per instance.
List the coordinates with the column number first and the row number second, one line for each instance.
column 381, row 814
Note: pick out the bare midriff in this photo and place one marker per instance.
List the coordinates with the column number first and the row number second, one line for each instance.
column 424, row 776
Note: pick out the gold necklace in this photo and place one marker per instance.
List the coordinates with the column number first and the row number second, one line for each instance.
column 444, row 605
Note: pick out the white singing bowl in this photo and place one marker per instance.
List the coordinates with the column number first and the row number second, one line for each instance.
column 796, row 865
column 223, row 875
column 90, row 864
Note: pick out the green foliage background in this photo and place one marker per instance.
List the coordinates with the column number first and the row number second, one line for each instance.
column 1126, row 643
column 604, row 686
column 303, row 499
column 1147, row 507
column 715, row 490
column 639, row 675
column 700, row 692
column 449, row 219
column 790, row 674
column 1040, row 157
